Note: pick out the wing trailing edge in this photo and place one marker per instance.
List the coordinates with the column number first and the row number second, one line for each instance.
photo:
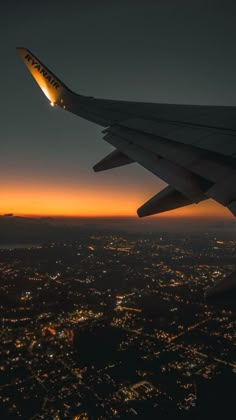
column 181, row 179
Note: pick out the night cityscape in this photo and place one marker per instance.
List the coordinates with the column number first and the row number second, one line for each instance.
column 116, row 326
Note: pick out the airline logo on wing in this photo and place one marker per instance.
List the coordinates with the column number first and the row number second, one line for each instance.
column 37, row 66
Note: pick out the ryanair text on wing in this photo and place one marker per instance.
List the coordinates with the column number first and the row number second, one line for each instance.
column 42, row 71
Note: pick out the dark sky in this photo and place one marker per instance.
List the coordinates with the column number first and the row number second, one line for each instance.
column 154, row 51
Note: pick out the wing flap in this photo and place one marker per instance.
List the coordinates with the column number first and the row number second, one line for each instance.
column 214, row 176
column 182, row 180
column 206, row 138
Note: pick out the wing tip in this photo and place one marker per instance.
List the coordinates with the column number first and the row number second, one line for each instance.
column 21, row 49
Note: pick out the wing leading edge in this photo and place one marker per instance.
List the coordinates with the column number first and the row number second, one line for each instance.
column 192, row 148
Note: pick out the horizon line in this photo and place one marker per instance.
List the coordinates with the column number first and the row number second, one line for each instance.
column 161, row 216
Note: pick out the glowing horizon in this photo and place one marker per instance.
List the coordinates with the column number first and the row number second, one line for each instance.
column 62, row 201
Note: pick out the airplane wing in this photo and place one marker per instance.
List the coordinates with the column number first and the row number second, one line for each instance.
column 191, row 147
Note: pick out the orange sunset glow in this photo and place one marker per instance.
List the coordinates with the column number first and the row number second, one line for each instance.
column 91, row 202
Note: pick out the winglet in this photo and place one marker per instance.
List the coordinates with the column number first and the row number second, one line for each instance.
column 51, row 86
